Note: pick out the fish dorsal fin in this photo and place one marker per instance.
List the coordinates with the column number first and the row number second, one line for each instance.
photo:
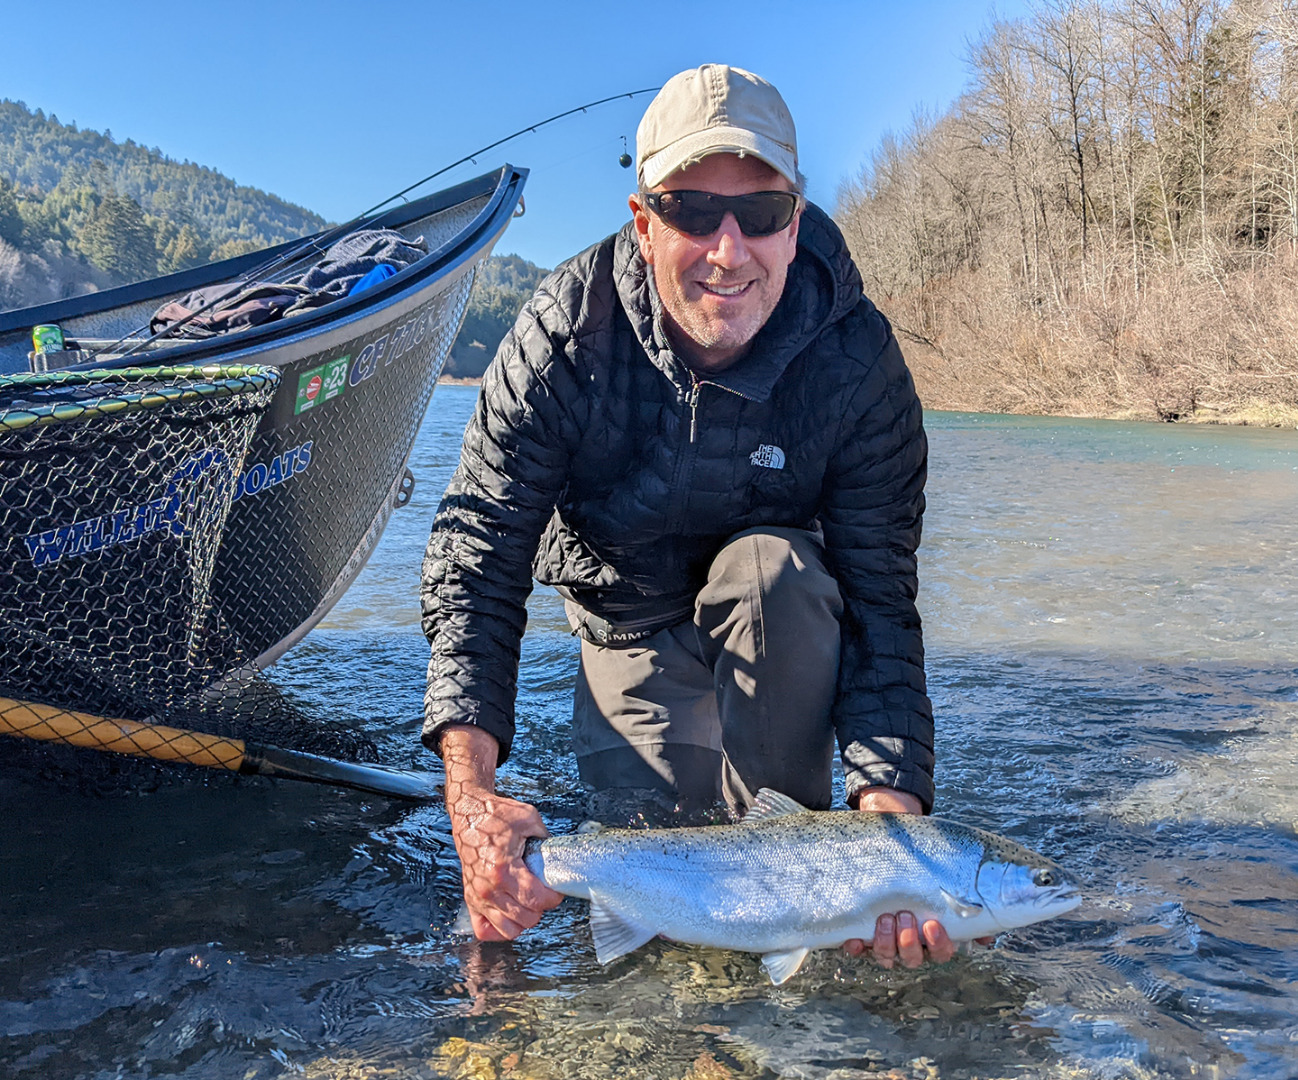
column 614, row 934
column 771, row 804
column 588, row 828
column 966, row 909
column 782, row 966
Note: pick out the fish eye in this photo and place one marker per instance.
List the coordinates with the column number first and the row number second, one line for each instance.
column 1044, row 878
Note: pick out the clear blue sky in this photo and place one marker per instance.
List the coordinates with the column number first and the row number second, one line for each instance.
column 337, row 105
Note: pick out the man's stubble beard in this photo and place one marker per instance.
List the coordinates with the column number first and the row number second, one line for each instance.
column 705, row 333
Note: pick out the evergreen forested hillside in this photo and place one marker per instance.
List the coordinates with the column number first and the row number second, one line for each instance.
column 505, row 283
column 80, row 211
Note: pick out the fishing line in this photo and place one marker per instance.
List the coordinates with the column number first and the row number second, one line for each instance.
column 507, row 138
column 318, row 244
column 589, row 151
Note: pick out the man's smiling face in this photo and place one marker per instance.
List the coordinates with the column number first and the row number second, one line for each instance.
column 717, row 290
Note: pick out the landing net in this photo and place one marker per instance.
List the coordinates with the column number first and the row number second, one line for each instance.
column 115, row 487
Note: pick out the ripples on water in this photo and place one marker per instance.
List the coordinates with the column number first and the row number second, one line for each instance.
column 1110, row 615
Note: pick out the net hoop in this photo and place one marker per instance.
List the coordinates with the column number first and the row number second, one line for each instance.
column 191, row 382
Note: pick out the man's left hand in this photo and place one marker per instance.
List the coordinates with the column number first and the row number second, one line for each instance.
column 899, row 936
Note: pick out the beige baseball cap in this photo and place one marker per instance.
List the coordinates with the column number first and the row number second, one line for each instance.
column 714, row 109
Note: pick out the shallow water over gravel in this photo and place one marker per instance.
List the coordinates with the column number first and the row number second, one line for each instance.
column 1111, row 623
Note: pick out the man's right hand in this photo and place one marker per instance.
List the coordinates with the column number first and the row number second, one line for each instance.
column 503, row 897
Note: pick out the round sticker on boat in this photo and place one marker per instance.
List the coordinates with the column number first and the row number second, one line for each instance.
column 313, row 388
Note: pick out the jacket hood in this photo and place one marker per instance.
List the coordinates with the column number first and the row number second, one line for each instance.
column 823, row 285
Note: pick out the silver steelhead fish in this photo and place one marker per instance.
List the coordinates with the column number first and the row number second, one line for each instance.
column 787, row 880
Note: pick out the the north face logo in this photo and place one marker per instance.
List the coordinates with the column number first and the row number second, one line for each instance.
column 770, row 457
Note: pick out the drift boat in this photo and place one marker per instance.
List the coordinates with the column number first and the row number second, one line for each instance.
column 144, row 553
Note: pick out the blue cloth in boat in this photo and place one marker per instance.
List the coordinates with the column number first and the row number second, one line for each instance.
column 347, row 262
column 379, row 274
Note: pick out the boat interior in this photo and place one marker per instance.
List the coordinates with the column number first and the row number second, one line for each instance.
column 111, row 328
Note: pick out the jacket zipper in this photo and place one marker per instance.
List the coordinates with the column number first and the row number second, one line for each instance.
column 698, row 384
column 685, row 465
column 685, row 461
column 695, row 384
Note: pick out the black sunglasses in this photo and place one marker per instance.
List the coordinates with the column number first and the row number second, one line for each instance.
column 700, row 213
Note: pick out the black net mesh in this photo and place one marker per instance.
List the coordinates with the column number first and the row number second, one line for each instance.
column 115, row 489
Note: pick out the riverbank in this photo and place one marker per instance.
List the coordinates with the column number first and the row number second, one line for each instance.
column 943, row 385
column 936, row 393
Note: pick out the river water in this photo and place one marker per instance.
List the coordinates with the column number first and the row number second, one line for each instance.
column 1111, row 614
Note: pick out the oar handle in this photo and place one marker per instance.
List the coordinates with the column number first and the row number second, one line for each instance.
column 48, row 723
column 29, row 720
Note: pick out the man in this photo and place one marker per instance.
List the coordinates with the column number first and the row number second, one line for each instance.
column 705, row 438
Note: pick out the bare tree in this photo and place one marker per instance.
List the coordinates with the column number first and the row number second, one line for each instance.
column 1107, row 219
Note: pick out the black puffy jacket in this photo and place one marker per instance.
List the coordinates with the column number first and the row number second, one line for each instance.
column 596, row 460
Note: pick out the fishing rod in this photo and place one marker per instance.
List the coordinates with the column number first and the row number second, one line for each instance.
column 319, row 243
column 159, row 742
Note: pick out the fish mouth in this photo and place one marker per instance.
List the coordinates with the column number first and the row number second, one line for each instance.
column 1061, row 899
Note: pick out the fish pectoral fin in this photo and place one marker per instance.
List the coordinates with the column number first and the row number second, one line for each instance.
column 463, row 924
column 769, row 803
column 966, row 909
column 614, row 934
column 782, row 966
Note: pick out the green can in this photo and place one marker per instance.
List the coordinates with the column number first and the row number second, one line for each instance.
column 47, row 339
